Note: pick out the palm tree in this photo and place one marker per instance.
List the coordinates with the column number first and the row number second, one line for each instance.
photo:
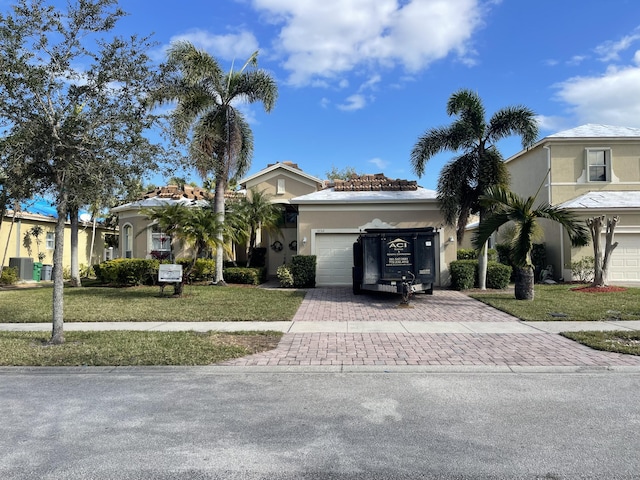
column 479, row 163
column 258, row 212
column 207, row 99
column 195, row 227
column 504, row 206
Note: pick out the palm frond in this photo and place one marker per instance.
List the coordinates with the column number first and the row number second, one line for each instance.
column 515, row 120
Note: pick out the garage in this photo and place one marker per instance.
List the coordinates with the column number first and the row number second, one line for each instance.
column 334, row 256
column 625, row 260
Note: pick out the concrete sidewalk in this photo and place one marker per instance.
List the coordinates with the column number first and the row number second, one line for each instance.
column 400, row 327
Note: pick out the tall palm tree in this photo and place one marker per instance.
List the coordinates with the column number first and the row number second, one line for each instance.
column 505, row 206
column 207, row 98
column 478, row 165
column 259, row 213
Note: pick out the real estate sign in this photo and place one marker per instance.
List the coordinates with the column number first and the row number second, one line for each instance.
column 170, row 273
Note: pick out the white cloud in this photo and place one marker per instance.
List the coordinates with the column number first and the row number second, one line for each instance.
column 353, row 102
column 378, row 162
column 232, row 46
column 325, row 39
column 612, row 98
column 609, row 51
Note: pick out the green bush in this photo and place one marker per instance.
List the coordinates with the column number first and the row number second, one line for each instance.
column 583, row 269
column 247, row 276
column 463, row 274
column 466, row 254
column 498, row 275
column 471, row 254
column 127, row 271
column 203, row 270
column 284, row 276
column 9, row 276
column 303, row 269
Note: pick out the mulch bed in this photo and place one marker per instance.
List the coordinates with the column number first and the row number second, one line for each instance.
column 605, row 289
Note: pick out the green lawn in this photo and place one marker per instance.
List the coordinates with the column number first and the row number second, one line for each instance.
column 131, row 348
column 144, row 304
column 560, row 302
column 618, row 341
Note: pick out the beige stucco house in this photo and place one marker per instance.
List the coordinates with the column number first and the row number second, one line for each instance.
column 325, row 219
column 139, row 236
column 592, row 170
column 320, row 218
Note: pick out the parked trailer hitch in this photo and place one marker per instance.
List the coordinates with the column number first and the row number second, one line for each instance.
column 407, row 288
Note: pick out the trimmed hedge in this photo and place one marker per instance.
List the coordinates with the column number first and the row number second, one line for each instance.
column 127, row 271
column 243, row 275
column 303, row 269
column 471, row 254
column 464, row 275
column 498, row 275
column 203, row 270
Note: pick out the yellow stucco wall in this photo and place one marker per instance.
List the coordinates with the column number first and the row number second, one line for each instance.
column 15, row 237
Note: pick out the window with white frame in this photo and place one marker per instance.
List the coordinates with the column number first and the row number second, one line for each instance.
column 160, row 241
column 599, row 164
column 127, row 241
column 280, row 189
column 50, row 240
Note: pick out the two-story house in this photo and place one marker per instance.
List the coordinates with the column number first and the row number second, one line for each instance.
column 593, row 170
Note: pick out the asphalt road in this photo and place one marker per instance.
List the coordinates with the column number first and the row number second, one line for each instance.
column 201, row 423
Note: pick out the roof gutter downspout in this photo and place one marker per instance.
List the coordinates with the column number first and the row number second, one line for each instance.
column 561, row 228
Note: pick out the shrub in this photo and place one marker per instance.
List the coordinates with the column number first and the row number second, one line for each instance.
column 583, row 269
column 463, row 274
column 9, row 276
column 284, row 276
column 244, row 275
column 203, row 270
column 471, row 254
column 466, row 254
column 303, row 269
column 498, row 275
column 127, row 271
column 504, row 253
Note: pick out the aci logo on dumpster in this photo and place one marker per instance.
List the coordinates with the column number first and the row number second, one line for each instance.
column 398, row 244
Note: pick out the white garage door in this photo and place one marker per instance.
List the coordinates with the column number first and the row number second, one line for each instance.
column 625, row 260
column 334, row 256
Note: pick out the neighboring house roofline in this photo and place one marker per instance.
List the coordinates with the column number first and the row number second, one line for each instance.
column 613, row 200
column 288, row 166
column 589, row 131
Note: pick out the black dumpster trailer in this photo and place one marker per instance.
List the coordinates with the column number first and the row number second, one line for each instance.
column 392, row 260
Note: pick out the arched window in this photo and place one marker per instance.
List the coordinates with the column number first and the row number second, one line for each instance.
column 127, row 241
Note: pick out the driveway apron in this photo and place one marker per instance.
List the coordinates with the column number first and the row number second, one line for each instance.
column 447, row 328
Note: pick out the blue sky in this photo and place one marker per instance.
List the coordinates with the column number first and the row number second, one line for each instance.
column 360, row 80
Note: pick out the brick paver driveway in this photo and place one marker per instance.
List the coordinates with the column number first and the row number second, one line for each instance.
column 449, row 347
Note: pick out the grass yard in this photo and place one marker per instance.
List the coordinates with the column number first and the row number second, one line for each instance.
column 618, row 341
column 144, row 304
column 131, row 348
column 560, row 302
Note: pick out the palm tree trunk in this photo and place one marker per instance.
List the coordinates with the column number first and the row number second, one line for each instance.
column 483, row 259
column 524, row 284
column 218, row 208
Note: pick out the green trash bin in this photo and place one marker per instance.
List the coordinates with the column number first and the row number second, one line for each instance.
column 37, row 271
